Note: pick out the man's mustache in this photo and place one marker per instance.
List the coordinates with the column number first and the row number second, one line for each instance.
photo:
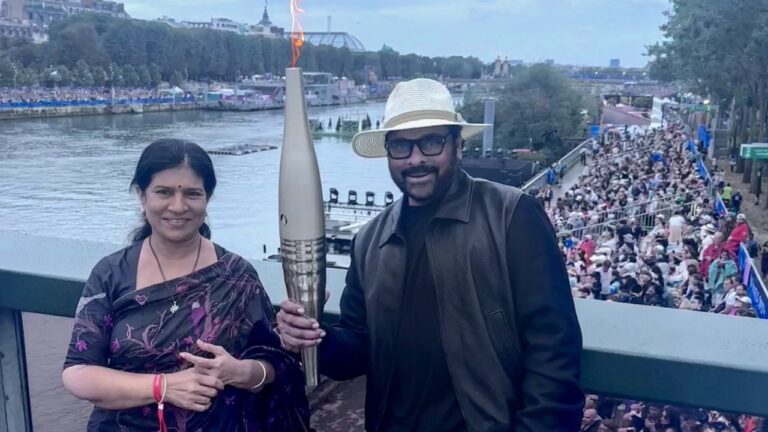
column 419, row 170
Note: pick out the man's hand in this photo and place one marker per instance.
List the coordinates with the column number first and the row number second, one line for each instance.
column 296, row 330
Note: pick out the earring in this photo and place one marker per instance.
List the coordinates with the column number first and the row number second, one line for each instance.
column 143, row 210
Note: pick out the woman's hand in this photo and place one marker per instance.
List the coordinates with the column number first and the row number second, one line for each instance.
column 245, row 374
column 192, row 390
column 222, row 366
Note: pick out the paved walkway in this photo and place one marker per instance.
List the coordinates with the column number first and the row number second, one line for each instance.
column 343, row 410
column 570, row 179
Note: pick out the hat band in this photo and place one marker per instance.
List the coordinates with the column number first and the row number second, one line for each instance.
column 421, row 115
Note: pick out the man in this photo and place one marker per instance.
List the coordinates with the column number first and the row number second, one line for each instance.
column 623, row 231
column 676, row 224
column 736, row 201
column 726, row 195
column 457, row 303
column 590, row 421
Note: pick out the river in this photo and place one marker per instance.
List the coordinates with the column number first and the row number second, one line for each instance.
column 69, row 177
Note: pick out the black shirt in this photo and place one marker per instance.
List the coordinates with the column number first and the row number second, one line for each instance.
column 421, row 396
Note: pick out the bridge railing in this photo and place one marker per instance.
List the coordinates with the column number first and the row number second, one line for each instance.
column 570, row 161
column 630, row 351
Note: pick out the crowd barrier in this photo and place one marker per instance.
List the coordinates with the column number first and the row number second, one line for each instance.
column 750, row 274
column 93, row 103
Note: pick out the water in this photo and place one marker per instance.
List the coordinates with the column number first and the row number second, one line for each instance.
column 69, row 177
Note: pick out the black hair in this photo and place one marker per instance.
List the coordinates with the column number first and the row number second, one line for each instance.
column 166, row 154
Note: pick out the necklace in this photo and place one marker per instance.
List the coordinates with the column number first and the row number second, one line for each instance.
column 174, row 307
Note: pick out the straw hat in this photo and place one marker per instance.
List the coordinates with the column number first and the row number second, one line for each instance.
column 414, row 104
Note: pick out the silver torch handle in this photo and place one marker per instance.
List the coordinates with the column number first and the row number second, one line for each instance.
column 304, row 270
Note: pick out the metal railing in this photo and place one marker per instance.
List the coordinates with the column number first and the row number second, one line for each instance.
column 638, row 367
column 570, row 161
column 635, row 209
column 645, row 220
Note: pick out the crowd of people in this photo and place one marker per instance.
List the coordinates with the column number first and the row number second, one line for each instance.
column 38, row 95
column 639, row 227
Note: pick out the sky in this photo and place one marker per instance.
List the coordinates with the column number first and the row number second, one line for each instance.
column 578, row 32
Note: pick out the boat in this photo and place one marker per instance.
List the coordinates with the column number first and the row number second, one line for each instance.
column 265, row 93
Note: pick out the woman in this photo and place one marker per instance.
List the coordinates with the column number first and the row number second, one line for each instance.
column 174, row 332
column 720, row 269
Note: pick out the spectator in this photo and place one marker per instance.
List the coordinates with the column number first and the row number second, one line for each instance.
column 738, row 235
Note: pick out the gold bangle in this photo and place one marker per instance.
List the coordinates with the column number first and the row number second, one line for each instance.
column 263, row 377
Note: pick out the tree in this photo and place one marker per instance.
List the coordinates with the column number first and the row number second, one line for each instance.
column 82, row 75
column 76, row 42
column 145, row 80
column 390, row 62
column 537, row 108
column 130, row 77
column 177, row 79
column 154, row 75
column 720, row 51
column 100, row 77
column 7, row 73
column 27, row 77
column 59, row 76
column 197, row 54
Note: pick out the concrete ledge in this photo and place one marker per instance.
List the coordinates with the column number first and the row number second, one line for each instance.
column 638, row 352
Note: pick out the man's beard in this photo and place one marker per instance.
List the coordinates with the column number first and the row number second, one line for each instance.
column 441, row 185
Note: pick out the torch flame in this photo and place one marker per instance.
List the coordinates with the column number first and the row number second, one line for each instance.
column 297, row 32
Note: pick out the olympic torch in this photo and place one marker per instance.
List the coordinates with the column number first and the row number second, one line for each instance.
column 302, row 222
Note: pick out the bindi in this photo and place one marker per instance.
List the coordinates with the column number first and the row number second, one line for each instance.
column 179, row 186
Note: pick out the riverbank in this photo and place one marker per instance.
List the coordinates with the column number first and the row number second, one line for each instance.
column 92, row 110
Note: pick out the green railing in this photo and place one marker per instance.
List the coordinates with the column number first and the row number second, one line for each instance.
column 637, row 352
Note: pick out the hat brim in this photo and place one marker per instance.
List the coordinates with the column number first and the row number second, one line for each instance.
column 370, row 144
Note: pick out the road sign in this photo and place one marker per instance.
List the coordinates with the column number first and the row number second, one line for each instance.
column 754, row 151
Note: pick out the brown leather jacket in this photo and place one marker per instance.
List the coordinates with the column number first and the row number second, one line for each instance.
column 507, row 318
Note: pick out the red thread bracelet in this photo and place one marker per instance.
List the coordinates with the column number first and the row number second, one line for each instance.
column 159, row 386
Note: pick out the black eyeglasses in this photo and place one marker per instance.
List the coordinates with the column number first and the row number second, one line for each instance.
column 429, row 145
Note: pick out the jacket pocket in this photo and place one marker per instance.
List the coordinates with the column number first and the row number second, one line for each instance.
column 507, row 349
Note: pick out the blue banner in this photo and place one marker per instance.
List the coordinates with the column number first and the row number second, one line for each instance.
column 91, row 103
column 594, row 131
column 720, row 206
column 757, row 294
column 703, row 135
column 751, row 279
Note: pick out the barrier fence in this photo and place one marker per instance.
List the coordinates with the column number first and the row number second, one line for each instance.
column 750, row 274
column 94, row 103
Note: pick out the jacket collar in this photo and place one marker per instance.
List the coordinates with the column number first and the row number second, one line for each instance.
column 455, row 206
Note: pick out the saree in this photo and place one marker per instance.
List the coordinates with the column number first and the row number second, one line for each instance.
column 119, row 327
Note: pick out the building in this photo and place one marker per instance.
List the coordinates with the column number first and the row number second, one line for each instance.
column 615, row 63
column 14, row 29
column 12, row 10
column 41, row 13
column 227, row 25
column 501, row 68
column 334, row 39
column 171, row 22
column 197, row 25
column 266, row 28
